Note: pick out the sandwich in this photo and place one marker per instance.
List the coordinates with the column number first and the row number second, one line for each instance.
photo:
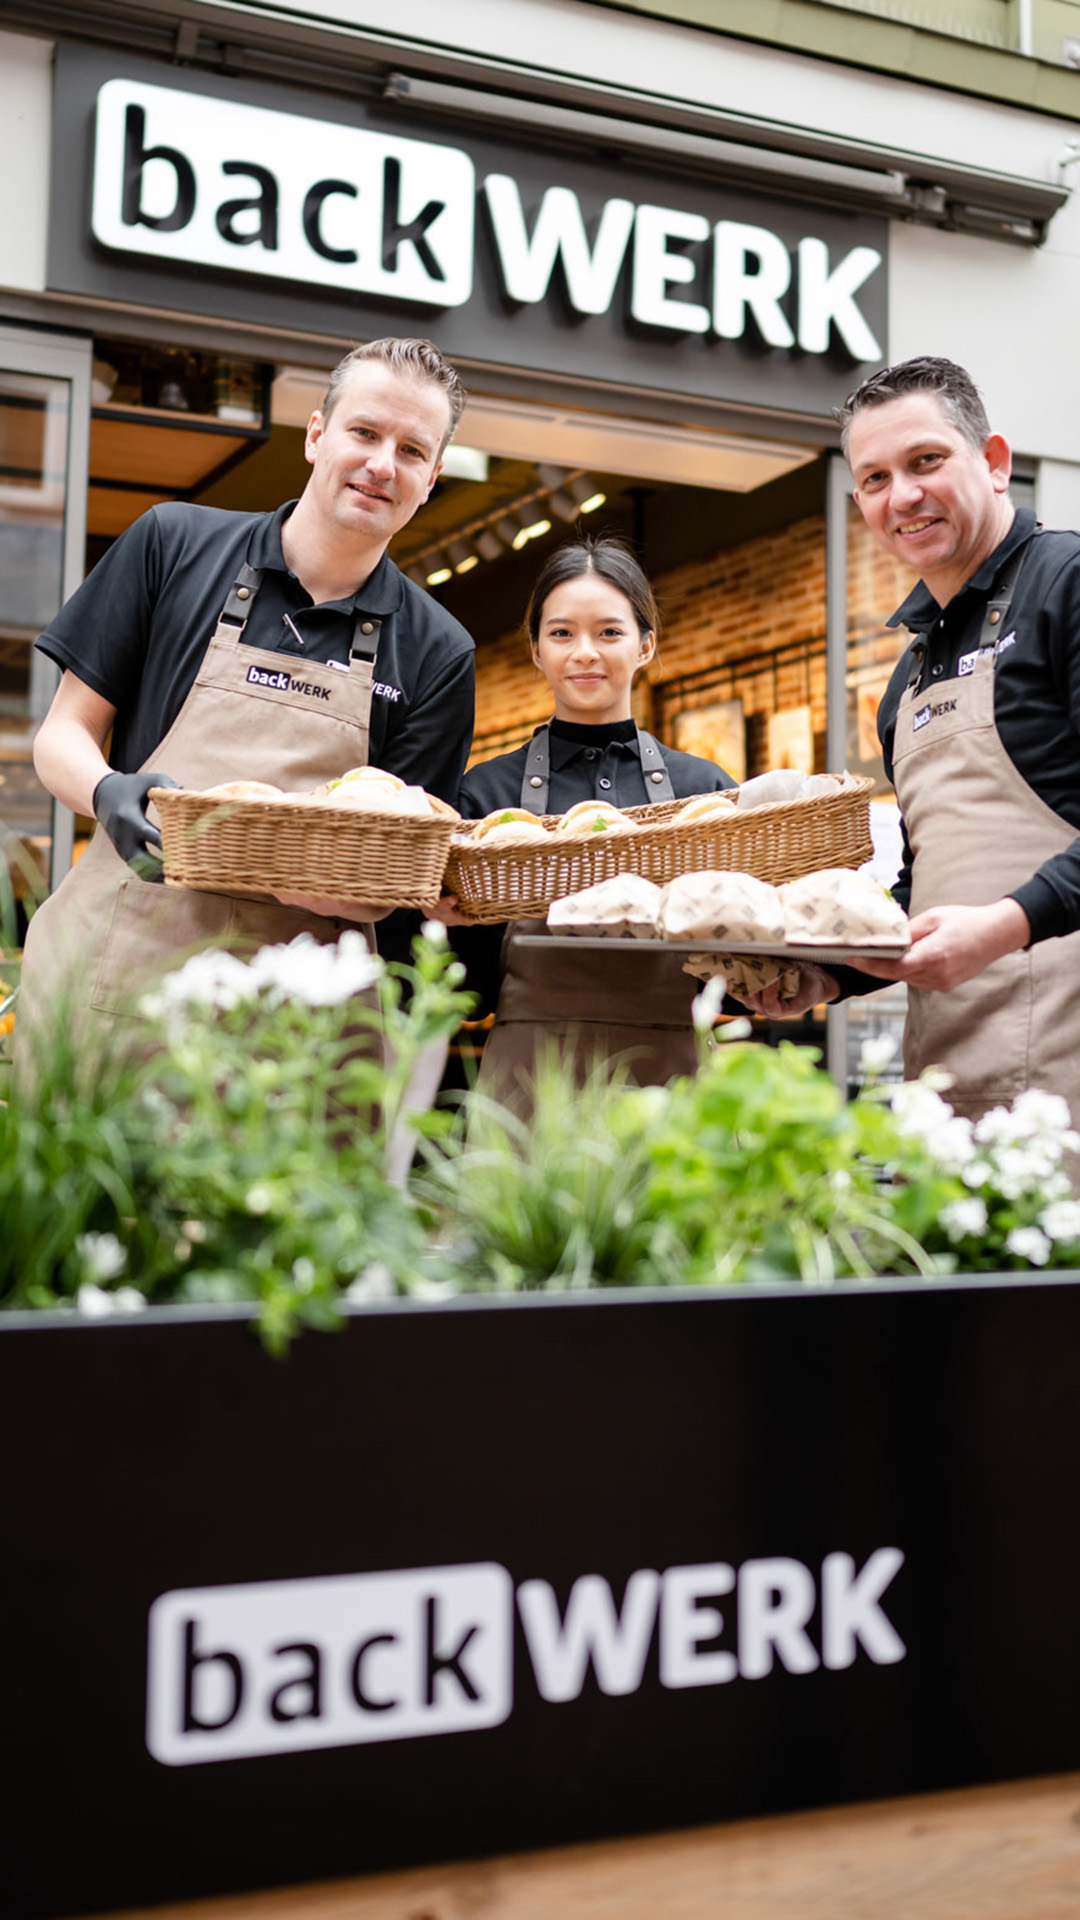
column 243, row 790
column 507, row 826
column 593, row 816
column 705, row 806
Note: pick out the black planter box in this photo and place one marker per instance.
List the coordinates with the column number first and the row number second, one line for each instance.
column 509, row 1573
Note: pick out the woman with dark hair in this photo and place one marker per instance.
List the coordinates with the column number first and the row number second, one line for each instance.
column 592, row 625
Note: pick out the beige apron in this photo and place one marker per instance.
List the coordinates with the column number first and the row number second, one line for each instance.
column 977, row 832
column 96, row 943
column 591, row 1007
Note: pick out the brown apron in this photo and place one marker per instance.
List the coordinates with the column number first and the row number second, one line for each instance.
column 590, row 1007
column 251, row 715
column 977, row 832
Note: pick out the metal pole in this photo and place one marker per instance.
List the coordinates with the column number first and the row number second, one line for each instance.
column 836, row 512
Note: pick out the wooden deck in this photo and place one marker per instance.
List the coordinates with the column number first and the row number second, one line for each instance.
column 991, row 1853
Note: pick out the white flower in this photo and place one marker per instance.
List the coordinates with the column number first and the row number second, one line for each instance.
column 320, row 975
column 101, row 1254
column 916, row 1108
column 840, row 1180
column 951, row 1144
column 434, row 932
column 938, row 1079
column 96, row 1302
column 375, row 1283
column 978, row 1173
column 210, row 979
column 1028, row 1243
column 258, row 1199
column 705, row 1007
column 1061, row 1220
column 1038, row 1112
column 739, row 1029
column 875, row 1054
column 963, row 1218
column 303, row 1273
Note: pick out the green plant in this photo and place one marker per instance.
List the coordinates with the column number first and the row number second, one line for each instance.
column 248, row 1158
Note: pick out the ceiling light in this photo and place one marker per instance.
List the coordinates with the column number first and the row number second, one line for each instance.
column 595, row 500
column 581, row 487
column 550, row 476
column 487, row 544
column 470, row 561
column 531, row 532
column 440, row 574
column 460, row 556
column 508, row 530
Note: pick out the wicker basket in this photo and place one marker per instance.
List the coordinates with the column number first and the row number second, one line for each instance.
column 775, row 842
column 259, row 848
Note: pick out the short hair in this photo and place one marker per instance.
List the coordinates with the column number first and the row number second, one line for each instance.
column 961, row 401
column 418, row 359
column 602, row 555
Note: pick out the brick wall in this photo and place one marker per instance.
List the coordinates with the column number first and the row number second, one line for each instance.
column 747, row 623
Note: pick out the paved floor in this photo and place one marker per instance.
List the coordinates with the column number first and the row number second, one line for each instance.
column 991, row 1853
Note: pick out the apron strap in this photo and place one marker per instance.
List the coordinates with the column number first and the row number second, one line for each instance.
column 366, row 626
column 537, row 776
column 997, row 607
column 241, row 594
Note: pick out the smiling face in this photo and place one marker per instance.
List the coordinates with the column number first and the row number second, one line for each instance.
column 588, row 648
column 927, row 494
column 376, row 457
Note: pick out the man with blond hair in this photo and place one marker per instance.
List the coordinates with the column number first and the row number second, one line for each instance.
column 286, row 647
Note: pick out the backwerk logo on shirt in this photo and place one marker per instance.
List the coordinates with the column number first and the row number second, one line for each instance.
column 931, row 712
column 286, row 1666
column 188, row 176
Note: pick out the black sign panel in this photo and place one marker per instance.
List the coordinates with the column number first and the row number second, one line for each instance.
column 233, row 199
column 505, row 1574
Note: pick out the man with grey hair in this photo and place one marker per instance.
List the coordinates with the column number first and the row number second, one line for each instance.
column 286, row 647
column 980, row 731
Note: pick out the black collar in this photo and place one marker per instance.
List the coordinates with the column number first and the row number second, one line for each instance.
column 381, row 594
column 567, row 739
column 920, row 609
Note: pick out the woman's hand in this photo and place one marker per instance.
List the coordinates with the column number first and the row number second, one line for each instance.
column 816, row 988
column 448, row 912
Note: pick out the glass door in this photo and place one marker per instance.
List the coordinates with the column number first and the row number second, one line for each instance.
column 44, row 433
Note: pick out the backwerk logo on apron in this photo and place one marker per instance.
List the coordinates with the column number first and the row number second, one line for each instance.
column 286, row 1666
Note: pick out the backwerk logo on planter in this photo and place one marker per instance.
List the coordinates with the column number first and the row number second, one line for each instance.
column 285, row 1666
column 187, row 176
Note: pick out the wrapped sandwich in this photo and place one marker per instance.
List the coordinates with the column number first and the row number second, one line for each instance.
column 721, row 905
column 624, row 906
column 839, row 907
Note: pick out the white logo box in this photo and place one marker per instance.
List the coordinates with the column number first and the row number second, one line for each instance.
column 359, row 192
column 282, row 1666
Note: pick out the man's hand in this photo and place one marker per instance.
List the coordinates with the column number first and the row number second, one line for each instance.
column 120, row 804
column 448, row 911
column 815, row 988
column 952, row 944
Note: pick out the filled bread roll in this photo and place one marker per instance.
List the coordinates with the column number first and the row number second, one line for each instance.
column 365, row 776
column 626, row 905
column 837, row 907
column 705, row 806
column 782, row 784
column 514, row 833
column 506, row 824
column 374, row 796
column 593, row 816
column 243, row 790
column 721, row 906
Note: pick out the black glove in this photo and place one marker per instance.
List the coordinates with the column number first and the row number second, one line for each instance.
column 120, row 804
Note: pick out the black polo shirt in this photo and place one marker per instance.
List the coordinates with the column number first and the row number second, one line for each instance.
column 137, row 629
column 1036, row 694
column 587, row 763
